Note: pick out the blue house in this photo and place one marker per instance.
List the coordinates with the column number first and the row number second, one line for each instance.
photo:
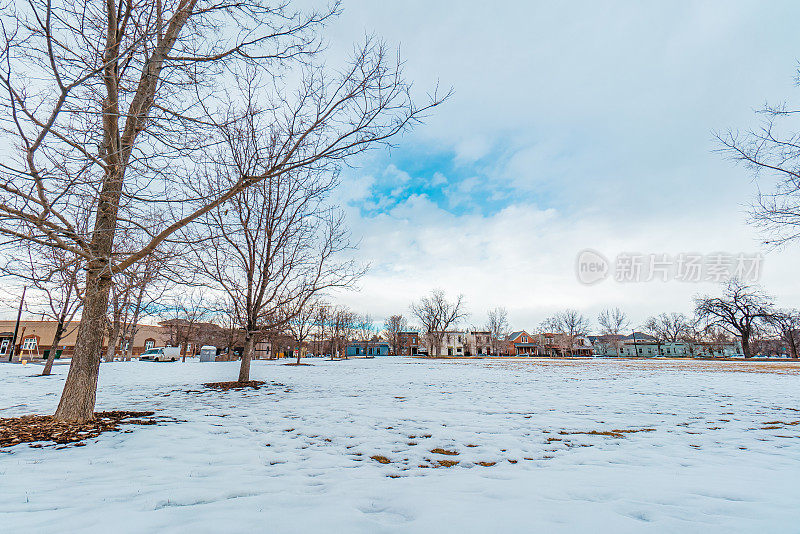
column 371, row 348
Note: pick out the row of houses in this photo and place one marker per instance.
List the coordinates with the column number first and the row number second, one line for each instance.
column 34, row 340
column 521, row 343
column 481, row 343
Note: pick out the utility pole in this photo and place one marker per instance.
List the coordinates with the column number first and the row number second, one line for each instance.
column 16, row 327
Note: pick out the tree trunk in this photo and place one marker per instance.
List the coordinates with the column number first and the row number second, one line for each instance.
column 746, row 345
column 300, row 353
column 48, row 366
column 247, row 355
column 80, row 388
column 113, row 340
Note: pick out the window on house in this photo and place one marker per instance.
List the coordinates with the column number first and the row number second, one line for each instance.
column 29, row 344
column 149, row 344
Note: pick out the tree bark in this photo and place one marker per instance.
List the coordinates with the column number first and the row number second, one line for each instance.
column 746, row 345
column 247, row 356
column 80, row 389
column 113, row 340
column 48, row 366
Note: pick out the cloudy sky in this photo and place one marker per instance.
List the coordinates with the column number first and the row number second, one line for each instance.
column 572, row 126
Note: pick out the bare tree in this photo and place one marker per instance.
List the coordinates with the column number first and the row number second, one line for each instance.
column 436, row 314
column 274, row 246
column 184, row 316
column 322, row 320
column 302, row 323
column 498, row 327
column 668, row 327
column 392, row 327
column 569, row 324
column 739, row 311
column 613, row 322
column 773, row 150
column 343, row 322
column 119, row 102
column 786, row 325
column 364, row 331
column 58, row 276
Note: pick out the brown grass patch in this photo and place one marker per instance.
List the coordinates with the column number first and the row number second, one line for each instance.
column 33, row 428
column 790, row 423
column 295, row 364
column 615, row 433
column 444, row 451
column 381, row 459
column 512, row 461
column 227, row 386
column 447, row 463
column 485, row 464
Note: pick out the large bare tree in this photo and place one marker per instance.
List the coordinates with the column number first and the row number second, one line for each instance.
column 740, row 311
column 772, row 153
column 437, row 315
column 120, row 102
column 276, row 245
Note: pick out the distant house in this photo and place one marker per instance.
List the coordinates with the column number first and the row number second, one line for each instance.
column 520, row 343
column 370, row 348
column 478, row 342
column 408, row 343
column 453, row 344
column 607, row 344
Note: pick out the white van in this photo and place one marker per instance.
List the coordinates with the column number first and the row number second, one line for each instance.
column 161, row 354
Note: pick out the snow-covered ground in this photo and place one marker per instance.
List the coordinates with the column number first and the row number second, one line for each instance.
column 295, row 456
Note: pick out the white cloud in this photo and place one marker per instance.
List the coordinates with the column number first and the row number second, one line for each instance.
column 524, row 258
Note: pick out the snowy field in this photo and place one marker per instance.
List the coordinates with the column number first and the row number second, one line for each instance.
column 715, row 451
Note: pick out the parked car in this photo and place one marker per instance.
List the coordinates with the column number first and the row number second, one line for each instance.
column 161, row 354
